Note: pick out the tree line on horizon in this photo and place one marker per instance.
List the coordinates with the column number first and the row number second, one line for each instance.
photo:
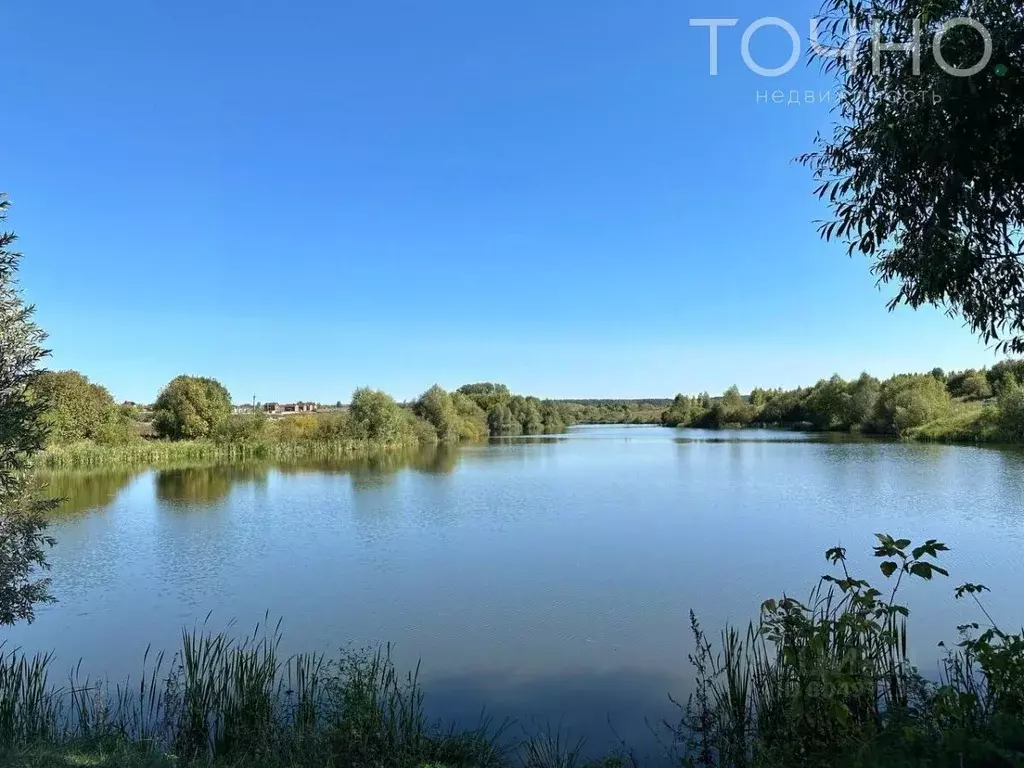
column 984, row 405
column 200, row 408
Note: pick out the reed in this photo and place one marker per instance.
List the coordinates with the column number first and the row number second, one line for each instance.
column 221, row 700
column 145, row 453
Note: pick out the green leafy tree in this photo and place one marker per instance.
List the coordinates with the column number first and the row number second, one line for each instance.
column 829, row 404
column 997, row 374
column 929, row 188
column 486, row 394
column 732, row 398
column 758, row 397
column 1011, row 409
column 863, row 396
column 501, row 421
column 970, row 385
column 526, row 410
column 375, row 415
column 80, row 410
column 437, row 408
column 191, row 407
column 472, row 418
column 787, row 408
column 553, row 419
column 908, row 401
column 22, row 435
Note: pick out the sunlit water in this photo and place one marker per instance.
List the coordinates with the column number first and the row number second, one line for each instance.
column 548, row 579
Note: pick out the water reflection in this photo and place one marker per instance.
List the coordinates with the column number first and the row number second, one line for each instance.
column 205, row 486
column 80, row 491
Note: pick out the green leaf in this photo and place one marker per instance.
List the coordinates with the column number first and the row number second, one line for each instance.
column 888, row 568
column 924, row 570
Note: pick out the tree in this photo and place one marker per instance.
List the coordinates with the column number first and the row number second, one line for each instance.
column 80, row 410
column 1011, row 409
column 501, row 421
column 191, row 407
column 829, row 405
column 931, row 188
column 486, row 394
column 998, row 372
column 758, row 397
column 472, row 418
column 908, row 401
column 970, row 385
column 375, row 415
column 22, row 435
column 863, row 396
column 437, row 408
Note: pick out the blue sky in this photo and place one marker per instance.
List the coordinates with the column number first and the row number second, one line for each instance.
column 303, row 197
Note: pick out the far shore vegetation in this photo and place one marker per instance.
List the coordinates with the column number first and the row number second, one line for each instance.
column 193, row 418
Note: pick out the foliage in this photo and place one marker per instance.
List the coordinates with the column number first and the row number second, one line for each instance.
column 244, row 428
column 1011, row 410
column 472, row 418
column 930, row 187
column 830, row 404
column 227, row 701
column 486, row 394
column 643, row 411
column 79, row 410
column 191, row 407
column 22, row 435
column 437, row 408
column 912, row 406
column 829, row 682
column 376, row 416
column 997, row 374
column 970, row 385
column 908, row 401
column 501, row 421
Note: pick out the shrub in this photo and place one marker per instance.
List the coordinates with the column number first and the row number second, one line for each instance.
column 191, row 407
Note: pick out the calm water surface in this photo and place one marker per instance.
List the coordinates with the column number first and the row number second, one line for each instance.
column 543, row 577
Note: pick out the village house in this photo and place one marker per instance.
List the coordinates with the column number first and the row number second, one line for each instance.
column 285, row 408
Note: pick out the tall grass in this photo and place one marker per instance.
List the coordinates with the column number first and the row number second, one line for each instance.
column 829, row 682
column 142, row 453
column 225, row 700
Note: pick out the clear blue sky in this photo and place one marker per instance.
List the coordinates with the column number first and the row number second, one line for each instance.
column 302, row 197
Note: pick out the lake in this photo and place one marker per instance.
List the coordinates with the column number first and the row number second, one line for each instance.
column 548, row 578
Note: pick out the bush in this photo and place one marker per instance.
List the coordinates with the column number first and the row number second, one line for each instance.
column 1011, row 410
column 436, row 407
column 77, row 410
column 376, row 416
column 829, row 682
column 970, row 385
column 191, row 407
column 908, row 401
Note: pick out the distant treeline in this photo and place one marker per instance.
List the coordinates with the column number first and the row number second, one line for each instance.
column 972, row 405
column 966, row 406
column 643, row 411
column 83, row 415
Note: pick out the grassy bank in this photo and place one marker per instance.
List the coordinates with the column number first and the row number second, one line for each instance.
column 142, row 453
column 822, row 683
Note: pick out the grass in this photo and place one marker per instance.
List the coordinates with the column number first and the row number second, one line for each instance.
column 222, row 701
column 143, row 453
column 966, row 422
